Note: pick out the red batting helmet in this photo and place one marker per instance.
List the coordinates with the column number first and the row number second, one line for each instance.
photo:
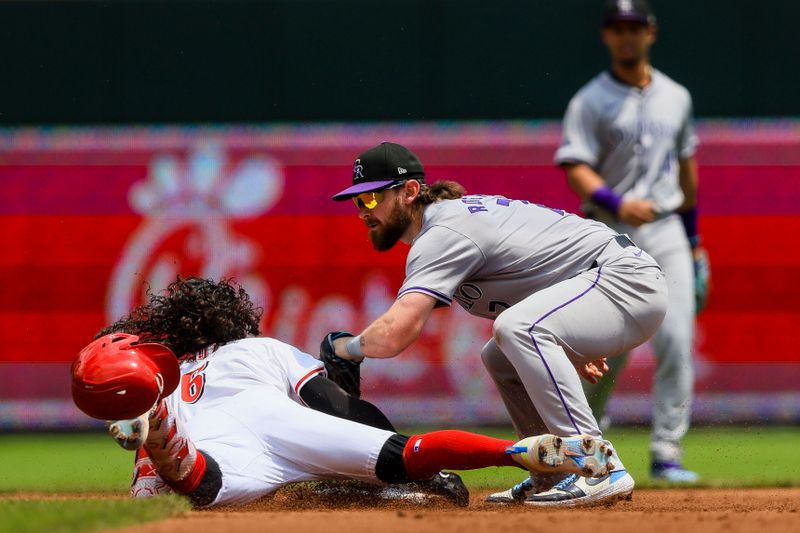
column 115, row 378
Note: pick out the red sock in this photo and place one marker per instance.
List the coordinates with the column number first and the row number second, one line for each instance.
column 425, row 455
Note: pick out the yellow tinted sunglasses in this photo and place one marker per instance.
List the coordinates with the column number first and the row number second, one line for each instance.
column 370, row 200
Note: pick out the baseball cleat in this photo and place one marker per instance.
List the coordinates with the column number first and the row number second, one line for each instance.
column 583, row 455
column 672, row 472
column 530, row 485
column 515, row 494
column 130, row 434
column 577, row 491
column 449, row 485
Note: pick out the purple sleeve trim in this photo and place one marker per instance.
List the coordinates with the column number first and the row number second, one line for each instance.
column 689, row 219
column 607, row 198
column 438, row 295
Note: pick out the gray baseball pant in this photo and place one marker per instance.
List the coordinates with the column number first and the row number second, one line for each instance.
column 673, row 382
column 606, row 310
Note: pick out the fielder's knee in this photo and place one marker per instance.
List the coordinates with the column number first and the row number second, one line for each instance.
column 504, row 328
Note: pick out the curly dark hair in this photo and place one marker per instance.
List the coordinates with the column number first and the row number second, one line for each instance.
column 192, row 314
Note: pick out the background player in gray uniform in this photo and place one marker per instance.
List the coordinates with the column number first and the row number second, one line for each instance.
column 628, row 151
column 563, row 293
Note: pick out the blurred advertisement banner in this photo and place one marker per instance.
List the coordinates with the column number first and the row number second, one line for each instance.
column 92, row 218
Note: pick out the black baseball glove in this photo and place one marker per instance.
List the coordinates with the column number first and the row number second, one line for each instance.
column 345, row 373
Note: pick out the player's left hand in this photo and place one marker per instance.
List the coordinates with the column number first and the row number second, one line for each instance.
column 593, row 371
column 130, row 434
column 343, row 372
column 702, row 278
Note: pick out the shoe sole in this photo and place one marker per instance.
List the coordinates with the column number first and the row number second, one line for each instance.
column 621, row 490
column 666, row 480
column 502, row 500
column 583, row 455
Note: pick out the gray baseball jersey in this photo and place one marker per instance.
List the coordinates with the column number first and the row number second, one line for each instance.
column 490, row 252
column 560, row 288
column 632, row 137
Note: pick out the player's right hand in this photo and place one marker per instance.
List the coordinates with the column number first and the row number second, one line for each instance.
column 592, row 371
column 635, row 212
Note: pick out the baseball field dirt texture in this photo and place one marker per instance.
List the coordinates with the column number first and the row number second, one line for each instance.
column 666, row 510
column 653, row 510
column 78, row 482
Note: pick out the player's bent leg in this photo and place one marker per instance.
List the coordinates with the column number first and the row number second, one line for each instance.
column 549, row 377
column 629, row 304
column 523, row 413
column 524, row 417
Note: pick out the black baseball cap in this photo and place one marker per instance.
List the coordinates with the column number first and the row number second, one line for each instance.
column 632, row 10
column 381, row 167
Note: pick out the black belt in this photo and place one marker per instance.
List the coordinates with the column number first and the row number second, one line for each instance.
column 623, row 240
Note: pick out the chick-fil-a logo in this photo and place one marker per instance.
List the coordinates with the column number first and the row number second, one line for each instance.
column 188, row 205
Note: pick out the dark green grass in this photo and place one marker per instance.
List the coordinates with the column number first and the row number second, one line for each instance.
column 724, row 456
column 83, row 514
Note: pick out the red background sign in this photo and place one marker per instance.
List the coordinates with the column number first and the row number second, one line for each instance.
column 90, row 217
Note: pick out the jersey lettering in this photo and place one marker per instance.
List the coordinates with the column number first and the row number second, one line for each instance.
column 193, row 384
column 506, row 202
column 494, row 304
column 467, row 294
column 474, row 204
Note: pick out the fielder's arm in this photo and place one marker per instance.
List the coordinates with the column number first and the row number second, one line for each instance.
column 589, row 185
column 394, row 331
column 583, row 179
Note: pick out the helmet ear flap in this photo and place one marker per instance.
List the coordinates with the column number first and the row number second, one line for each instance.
column 167, row 365
column 114, row 378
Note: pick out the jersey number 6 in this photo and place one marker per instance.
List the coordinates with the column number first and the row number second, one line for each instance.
column 193, row 384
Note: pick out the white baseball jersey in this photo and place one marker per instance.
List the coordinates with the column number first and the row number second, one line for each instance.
column 490, row 252
column 240, row 404
column 632, row 137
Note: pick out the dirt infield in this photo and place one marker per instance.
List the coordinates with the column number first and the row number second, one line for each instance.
column 664, row 511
